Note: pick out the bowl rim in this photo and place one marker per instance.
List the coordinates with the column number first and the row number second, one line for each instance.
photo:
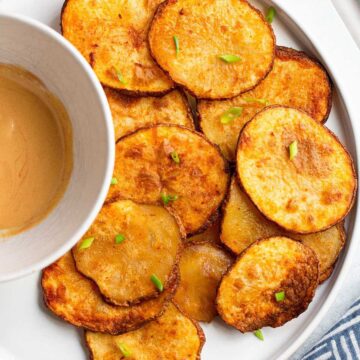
column 110, row 144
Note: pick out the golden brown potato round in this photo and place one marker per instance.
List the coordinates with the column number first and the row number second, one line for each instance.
column 296, row 80
column 173, row 166
column 112, row 36
column 130, row 113
column 224, row 47
column 243, row 224
column 77, row 300
column 149, row 243
column 277, row 266
column 171, row 336
column 201, row 268
column 295, row 170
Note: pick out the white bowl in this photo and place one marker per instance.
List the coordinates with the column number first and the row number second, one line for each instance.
column 45, row 53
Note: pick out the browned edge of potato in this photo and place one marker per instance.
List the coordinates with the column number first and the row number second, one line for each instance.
column 77, row 300
column 252, row 304
column 157, row 339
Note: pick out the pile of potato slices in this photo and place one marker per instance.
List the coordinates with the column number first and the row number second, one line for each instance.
column 229, row 194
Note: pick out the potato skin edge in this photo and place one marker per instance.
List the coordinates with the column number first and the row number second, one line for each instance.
column 351, row 203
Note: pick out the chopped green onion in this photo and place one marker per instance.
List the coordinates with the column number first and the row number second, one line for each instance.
column 259, row 334
column 230, row 115
column 114, row 181
column 280, row 296
column 119, row 238
column 175, row 156
column 120, row 76
column 228, row 58
column 157, row 282
column 86, row 243
column 167, row 198
column 124, row 349
column 260, row 101
column 177, row 45
column 270, row 15
column 293, row 150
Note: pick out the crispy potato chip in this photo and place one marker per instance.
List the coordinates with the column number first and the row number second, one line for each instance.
column 171, row 336
column 243, row 224
column 247, row 293
column 210, row 235
column 201, row 268
column 295, row 170
column 233, row 61
column 77, row 300
column 296, row 80
column 131, row 243
column 326, row 274
column 112, row 36
column 130, row 113
column 173, row 166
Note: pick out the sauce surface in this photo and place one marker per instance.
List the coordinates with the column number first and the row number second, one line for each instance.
column 35, row 150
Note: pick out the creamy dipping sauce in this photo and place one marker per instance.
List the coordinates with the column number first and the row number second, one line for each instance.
column 35, row 150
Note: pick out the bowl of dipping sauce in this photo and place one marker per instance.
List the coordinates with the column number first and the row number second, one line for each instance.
column 56, row 146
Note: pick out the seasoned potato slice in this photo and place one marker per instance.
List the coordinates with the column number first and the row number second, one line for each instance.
column 112, row 36
column 243, row 224
column 224, row 47
column 131, row 243
column 77, row 300
column 174, row 166
column 296, row 80
column 210, row 235
column 130, row 113
column 295, row 170
column 201, row 268
column 171, row 336
column 277, row 266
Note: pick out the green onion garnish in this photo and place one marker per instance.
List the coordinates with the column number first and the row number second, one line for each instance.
column 86, row 243
column 260, row 101
column 120, row 76
column 177, row 46
column 114, row 181
column 119, row 238
column 175, row 156
column 167, row 198
column 270, row 15
column 280, row 296
column 230, row 115
column 228, row 58
column 157, row 282
column 259, row 334
column 293, row 150
column 124, row 349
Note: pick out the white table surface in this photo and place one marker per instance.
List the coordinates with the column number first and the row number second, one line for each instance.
column 350, row 12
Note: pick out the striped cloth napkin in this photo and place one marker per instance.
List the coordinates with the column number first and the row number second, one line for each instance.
column 342, row 341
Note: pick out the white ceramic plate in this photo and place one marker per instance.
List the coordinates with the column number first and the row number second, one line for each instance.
column 29, row 332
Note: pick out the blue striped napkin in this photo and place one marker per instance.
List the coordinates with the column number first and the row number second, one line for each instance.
column 342, row 341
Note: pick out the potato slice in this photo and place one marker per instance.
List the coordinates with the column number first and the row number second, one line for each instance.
column 150, row 245
column 224, row 47
column 247, row 293
column 296, row 80
column 171, row 336
column 202, row 266
column 77, row 300
column 174, row 166
column 210, row 235
column 243, row 224
column 295, row 170
column 130, row 113
column 112, row 36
